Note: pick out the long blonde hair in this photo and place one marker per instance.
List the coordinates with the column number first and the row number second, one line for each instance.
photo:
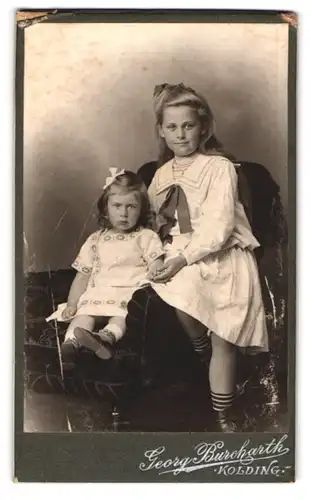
column 167, row 95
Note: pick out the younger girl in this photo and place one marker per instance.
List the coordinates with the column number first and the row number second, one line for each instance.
column 210, row 275
column 113, row 263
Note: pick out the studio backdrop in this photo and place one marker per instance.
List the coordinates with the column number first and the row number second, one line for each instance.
column 88, row 107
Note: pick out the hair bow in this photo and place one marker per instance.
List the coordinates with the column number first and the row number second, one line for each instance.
column 159, row 88
column 114, row 174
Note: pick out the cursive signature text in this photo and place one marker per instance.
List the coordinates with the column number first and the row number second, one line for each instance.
column 223, row 461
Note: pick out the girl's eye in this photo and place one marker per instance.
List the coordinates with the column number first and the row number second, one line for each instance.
column 190, row 125
column 132, row 206
column 171, row 127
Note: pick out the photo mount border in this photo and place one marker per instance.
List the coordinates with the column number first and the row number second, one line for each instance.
column 57, row 457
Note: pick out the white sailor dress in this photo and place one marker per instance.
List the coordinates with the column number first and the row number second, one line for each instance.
column 220, row 286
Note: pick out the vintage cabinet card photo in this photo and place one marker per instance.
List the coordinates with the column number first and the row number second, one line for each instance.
column 155, row 246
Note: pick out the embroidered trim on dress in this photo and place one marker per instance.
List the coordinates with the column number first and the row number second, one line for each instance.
column 110, row 302
column 82, row 269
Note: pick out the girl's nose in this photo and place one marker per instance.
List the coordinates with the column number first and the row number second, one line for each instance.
column 180, row 133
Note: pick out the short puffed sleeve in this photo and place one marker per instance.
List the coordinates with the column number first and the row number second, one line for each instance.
column 84, row 261
column 151, row 245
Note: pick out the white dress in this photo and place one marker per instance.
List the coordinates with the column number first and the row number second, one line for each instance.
column 117, row 264
column 220, row 286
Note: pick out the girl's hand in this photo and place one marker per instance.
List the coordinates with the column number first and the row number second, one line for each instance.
column 69, row 312
column 170, row 268
column 155, row 268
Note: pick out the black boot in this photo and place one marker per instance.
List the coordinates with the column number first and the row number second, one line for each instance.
column 224, row 422
column 222, row 405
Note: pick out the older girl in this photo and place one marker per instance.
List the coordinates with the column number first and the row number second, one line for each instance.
column 210, row 274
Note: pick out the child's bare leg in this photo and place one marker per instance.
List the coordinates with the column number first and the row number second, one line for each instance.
column 87, row 322
column 222, row 366
column 196, row 331
column 222, row 373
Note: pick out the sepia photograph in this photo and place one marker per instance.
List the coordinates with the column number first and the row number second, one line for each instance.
column 155, row 173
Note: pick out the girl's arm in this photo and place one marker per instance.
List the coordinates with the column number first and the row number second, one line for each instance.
column 152, row 251
column 217, row 219
column 83, row 266
column 77, row 288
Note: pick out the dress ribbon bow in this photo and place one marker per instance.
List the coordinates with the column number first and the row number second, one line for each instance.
column 175, row 201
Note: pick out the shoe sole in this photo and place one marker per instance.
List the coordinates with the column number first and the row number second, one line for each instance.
column 86, row 339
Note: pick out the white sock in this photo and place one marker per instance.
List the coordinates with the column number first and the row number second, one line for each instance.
column 116, row 330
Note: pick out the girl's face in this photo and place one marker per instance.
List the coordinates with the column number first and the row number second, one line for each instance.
column 123, row 209
column 181, row 129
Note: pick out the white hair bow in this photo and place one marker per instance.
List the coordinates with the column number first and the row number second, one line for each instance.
column 114, row 174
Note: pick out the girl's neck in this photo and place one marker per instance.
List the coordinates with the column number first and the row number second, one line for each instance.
column 186, row 160
column 118, row 231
